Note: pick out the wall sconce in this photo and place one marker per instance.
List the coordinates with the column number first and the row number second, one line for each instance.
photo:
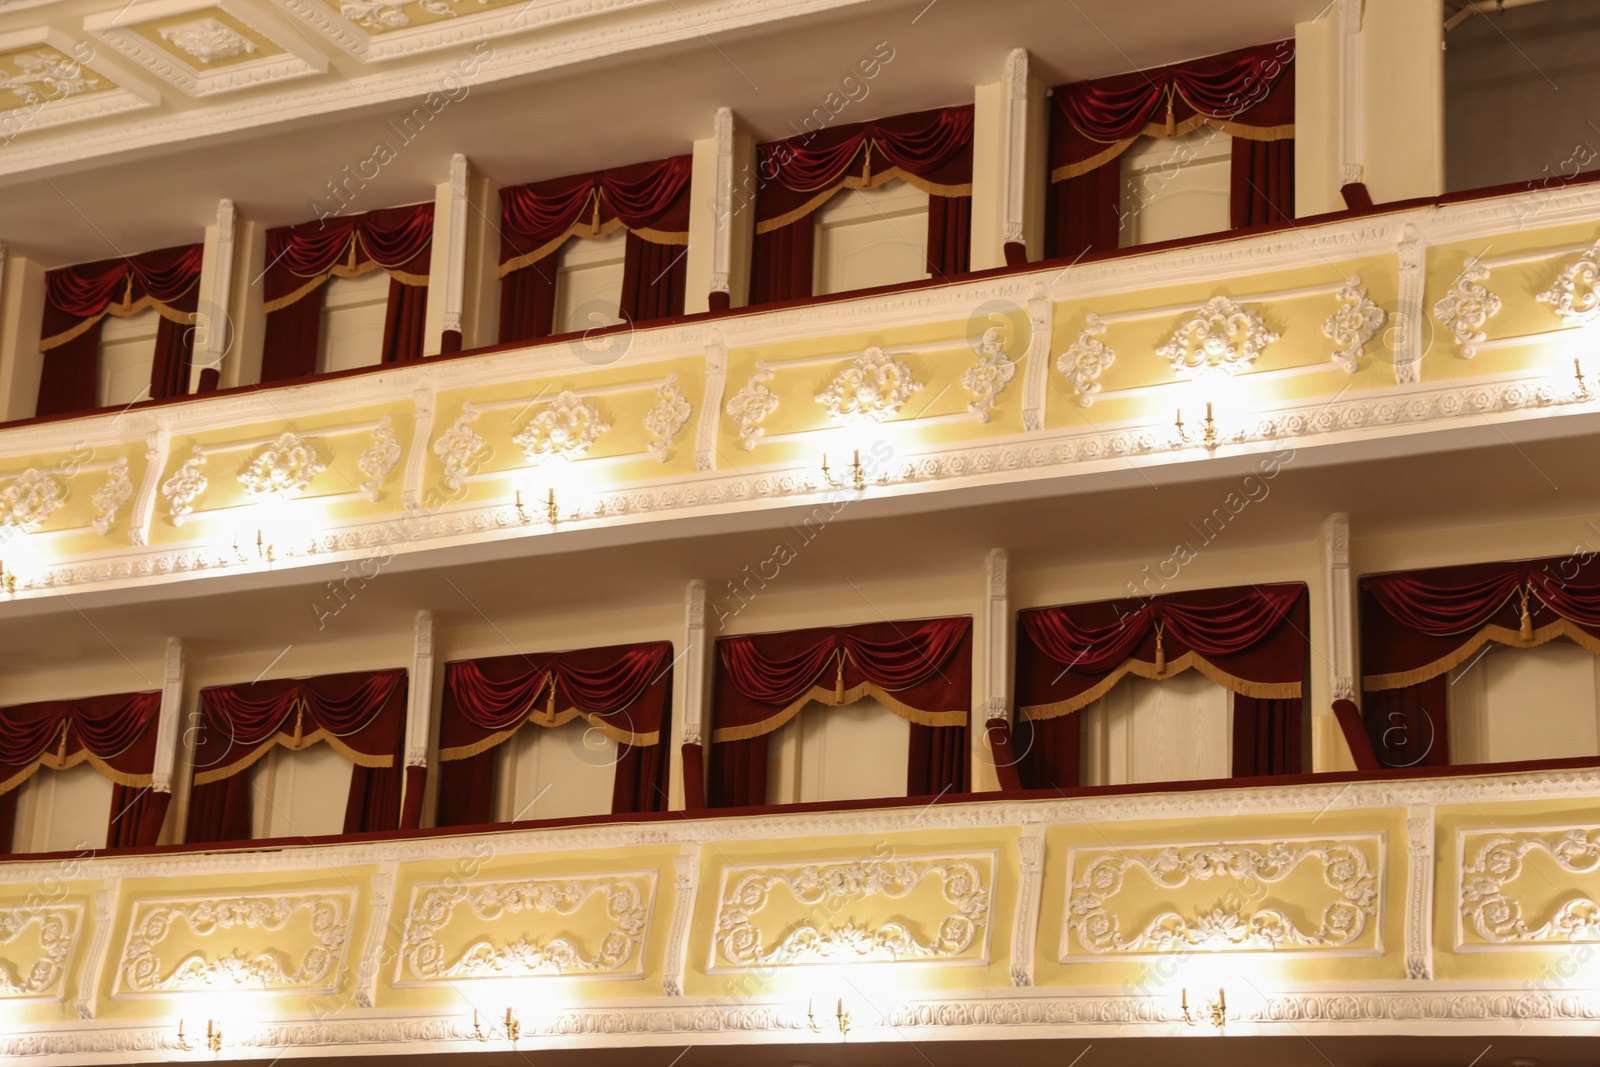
column 8, row 580
column 511, row 1029
column 841, row 1018
column 265, row 552
column 1208, row 435
column 552, row 513
column 858, row 477
column 213, row 1037
column 1583, row 386
column 1213, row 1011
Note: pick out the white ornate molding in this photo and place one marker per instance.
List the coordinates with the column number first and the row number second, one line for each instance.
column 874, row 387
column 1575, row 294
column 225, row 922
column 1030, row 888
column 1413, row 255
column 751, row 405
column 419, row 703
column 1041, row 320
column 1352, row 869
column 997, row 635
column 1014, row 152
column 37, row 969
column 1352, row 326
column 369, row 970
column 460, row 447
column 204, row 40
column 379, row 459
column 666, row 417
column 1492, row 860
column 207, row 39
column 1351, row 117
column 1086, row 359
column 827, row 887
column 695, row 672
column 105, row 911
column 722, row 209
column 686, row 870
column 63, row 81
column 543, row 945
column 1467, row 306
column 169, row 725
column 565, row 428
column 284, row 469
column 457, row 220
column 1220, row 336
column 28, row 500
column 988, row 377
column 1419, row 892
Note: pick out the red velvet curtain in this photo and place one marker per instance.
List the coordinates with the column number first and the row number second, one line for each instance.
column 114, row 733
column 625, row 691
column 300, row 260
column 361, row 714
column 1417, row 626
column 1251, row 639
column 1049, row 751
column 1247, row 94
column 921, row 671
column 649, row 200
column 930, row 149
column 78, row 298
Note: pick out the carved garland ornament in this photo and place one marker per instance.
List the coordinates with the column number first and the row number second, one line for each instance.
column 1497, row 916
column 458, row 447
column 284, row 469
column 669, row 415
column 1086, row 359
column 751, row 405
column 113, row 493
column 1221, row 336
column 29, row 499
column 1467, row 306
column 207, row 39
column 379, row 459
column 565, row 428
column 829, row 888
column 874, row 387
column 55, row 74
column 185, row 486
column 142, row 967
column 57, row 936
column 1352, row 327
column 1234, row 923
column 627, row 907
column 390, row 14
column 988, row 377
column 1574, row 295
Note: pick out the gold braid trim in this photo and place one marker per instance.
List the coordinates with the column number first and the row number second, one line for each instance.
column 1154, row 129
column 549, row 717
column 828, row 696
column 293, row 744
column 871, row 181
column 1189, row 661
column 1374, row 683
column 55, row 763
column 587, row 226
column 340, row 270
column 121, row 311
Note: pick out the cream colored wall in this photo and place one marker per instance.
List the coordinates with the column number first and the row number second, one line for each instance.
column 855, row 752
column 870, row 237
column 1403, row 98
column 589, row 282
column 248, row 323
column 21, row 312
column 1176, row 729
column 1316, row 115
column 127, row 352
column 353, row 313
column 63, row 811
column 1175, row 187
column 557, row 772
column 702, row 226
column 299, row 794
column 480, row 295
column 1524, row 704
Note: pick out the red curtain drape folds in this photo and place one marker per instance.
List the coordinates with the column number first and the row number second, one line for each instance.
column 116, row 733
column 930, row 149
column 78, row 298
column 1247, row 94
column 649, row 200
column 624, row 691
column 137, row 815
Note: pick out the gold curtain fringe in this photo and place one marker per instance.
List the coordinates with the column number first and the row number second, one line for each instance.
column 1139, row 668
column 883, row 177
column 360, row 759
column 1376, row 683
column 121, row 311
column 51, row 761
column 1114, row 149
column 828, row 696
column 584, row 227
column 342, row 271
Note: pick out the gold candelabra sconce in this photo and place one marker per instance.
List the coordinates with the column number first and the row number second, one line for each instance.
column 841, row 1019
column 1214, row 1012
column 8, row 580
column 552, row 513
column 510, row 1028
column 858, row 476
column 265, row 550
column 1577, row 373
column 1207, row 436
column 213, row 1039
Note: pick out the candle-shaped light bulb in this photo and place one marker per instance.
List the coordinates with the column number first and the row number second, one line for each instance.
column 1208, row 411
column 1186, row 1000
column 855, row 457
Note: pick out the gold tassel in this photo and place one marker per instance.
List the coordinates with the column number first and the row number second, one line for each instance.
column 550, row 700
column 1172, row 124
column 1161, row 653
column 838, row 681
column 1526, row 630
column 299, row 721
column 127, row 296
column 866, row 167
column 62, row 758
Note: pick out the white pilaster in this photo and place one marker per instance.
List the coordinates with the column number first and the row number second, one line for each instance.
column 1007, row 200
column 1341, row 601
column 721, row 217
column 1347, row 17
column 447, row 269
column 213, row 325
column 419, row 709
column 691, row 683
column 171, row 717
